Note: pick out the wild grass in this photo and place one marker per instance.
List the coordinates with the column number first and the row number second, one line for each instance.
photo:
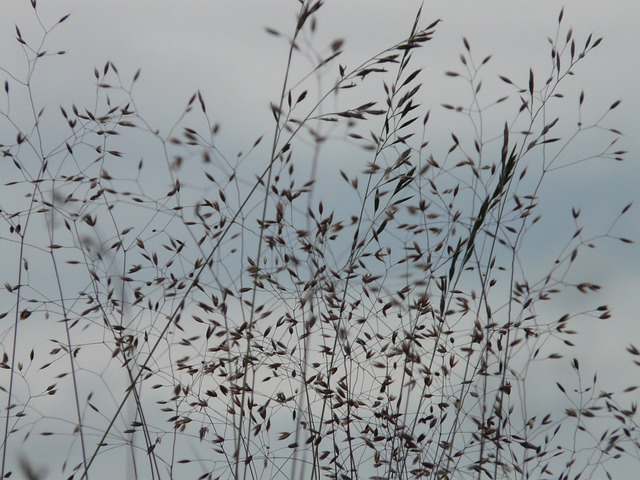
column 275, row 314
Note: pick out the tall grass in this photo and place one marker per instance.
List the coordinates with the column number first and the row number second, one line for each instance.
column 275, row 314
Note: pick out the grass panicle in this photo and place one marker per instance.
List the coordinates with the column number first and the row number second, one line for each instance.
column 280, row 314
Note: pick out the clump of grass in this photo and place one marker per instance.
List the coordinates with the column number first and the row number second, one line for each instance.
column 267, row 323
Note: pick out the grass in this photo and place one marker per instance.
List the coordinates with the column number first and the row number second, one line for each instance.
column 274, row 315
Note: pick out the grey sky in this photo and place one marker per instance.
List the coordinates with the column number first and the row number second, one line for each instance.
column 222, row 49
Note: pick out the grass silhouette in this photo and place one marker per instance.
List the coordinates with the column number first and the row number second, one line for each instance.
column 272, row 314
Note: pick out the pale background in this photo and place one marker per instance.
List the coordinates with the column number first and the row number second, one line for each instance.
column 222, row 49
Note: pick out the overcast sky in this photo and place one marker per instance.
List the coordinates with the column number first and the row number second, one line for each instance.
column 221, row 48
